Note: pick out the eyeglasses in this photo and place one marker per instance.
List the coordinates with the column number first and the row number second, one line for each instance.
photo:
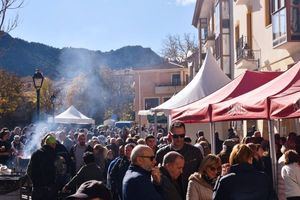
column 177, row 136
column 150, row 157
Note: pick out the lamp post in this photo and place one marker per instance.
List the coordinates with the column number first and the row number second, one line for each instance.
column 52, row 99
column 38, row 80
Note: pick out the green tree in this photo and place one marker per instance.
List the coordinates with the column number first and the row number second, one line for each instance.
column 47, row 91
column 11, row 96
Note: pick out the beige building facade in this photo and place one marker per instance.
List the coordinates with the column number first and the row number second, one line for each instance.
column 155, row 85
column 262, row 35
column 266, row 34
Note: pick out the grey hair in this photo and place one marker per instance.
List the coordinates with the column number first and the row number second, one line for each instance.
column 171, row 157
column 137, row 151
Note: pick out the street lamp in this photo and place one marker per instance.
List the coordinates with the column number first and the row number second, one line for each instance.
column 38, row 80
column 52, row 99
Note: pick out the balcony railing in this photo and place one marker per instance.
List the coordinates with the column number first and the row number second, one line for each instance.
column 168, row 88
column 243, row 51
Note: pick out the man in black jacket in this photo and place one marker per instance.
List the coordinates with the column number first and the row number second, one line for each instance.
column 171, row 171
column 41, row 170
column 192, row 155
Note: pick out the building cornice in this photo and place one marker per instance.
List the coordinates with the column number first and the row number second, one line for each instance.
column 197, row 13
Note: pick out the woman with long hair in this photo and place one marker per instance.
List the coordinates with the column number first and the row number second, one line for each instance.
column 243, row 181
column 201, row 183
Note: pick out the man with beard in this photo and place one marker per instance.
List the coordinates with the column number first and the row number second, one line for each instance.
column 78, row 150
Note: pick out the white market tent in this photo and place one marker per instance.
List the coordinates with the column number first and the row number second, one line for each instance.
column 209, row 79
column 73, row 116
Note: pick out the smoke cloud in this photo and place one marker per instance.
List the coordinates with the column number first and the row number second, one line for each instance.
column 34, row 137
column 83, row 85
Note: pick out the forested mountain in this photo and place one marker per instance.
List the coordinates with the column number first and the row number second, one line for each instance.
column 22, row 57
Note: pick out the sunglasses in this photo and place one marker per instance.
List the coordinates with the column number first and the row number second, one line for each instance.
column 150, row 157
column 177, row 136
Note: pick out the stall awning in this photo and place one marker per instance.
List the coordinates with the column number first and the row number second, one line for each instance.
column 73, row 116
column 199, row 111
column 256, row 103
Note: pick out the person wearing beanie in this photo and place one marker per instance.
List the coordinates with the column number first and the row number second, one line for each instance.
column 41, row 170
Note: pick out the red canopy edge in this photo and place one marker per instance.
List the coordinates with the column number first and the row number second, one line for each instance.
column 256, row 104
column 200, row 110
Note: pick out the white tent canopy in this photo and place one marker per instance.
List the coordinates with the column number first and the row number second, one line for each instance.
column 73, row 116
column 209, row 79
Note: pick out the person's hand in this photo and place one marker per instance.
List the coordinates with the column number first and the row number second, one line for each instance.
column 156, row 176
column 225, row 169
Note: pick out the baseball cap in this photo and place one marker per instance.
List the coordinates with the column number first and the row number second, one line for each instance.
column 91, row 189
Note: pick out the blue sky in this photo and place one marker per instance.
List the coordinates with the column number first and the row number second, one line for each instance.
column 104, row 24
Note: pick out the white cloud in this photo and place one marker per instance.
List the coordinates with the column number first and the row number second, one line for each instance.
column 185, row 2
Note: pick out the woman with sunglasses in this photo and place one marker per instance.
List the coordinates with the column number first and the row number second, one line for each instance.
column 201, row 183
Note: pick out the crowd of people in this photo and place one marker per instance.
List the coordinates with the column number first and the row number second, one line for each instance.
column 136, row 164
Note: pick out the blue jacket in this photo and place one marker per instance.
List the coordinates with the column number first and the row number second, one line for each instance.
column 137, row 185
column 243, row 182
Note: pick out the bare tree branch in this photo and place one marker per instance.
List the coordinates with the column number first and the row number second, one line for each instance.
column 177, row 49
column 8, row 24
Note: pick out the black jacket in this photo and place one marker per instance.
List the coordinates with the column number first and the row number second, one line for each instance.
column 192, row 157
column 170, row 189
column 137, row 185
column 243, row 182
column 41, row 168
column 87, row 172
column 117, row 174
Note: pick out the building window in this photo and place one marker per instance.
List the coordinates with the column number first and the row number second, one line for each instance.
column 204, row 29
column 279, row 27
column 277, row 4
column 295, row 19
column 217, row 19
column 285, row 21
column 151, row 103
column 176, row 79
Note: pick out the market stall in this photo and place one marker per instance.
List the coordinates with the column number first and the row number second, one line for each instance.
column 73, row 116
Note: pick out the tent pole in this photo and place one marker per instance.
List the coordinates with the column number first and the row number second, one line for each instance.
column 169, row 123
column 155, row 123
column 273, row 154
column 213, row 137
column 140, row 124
